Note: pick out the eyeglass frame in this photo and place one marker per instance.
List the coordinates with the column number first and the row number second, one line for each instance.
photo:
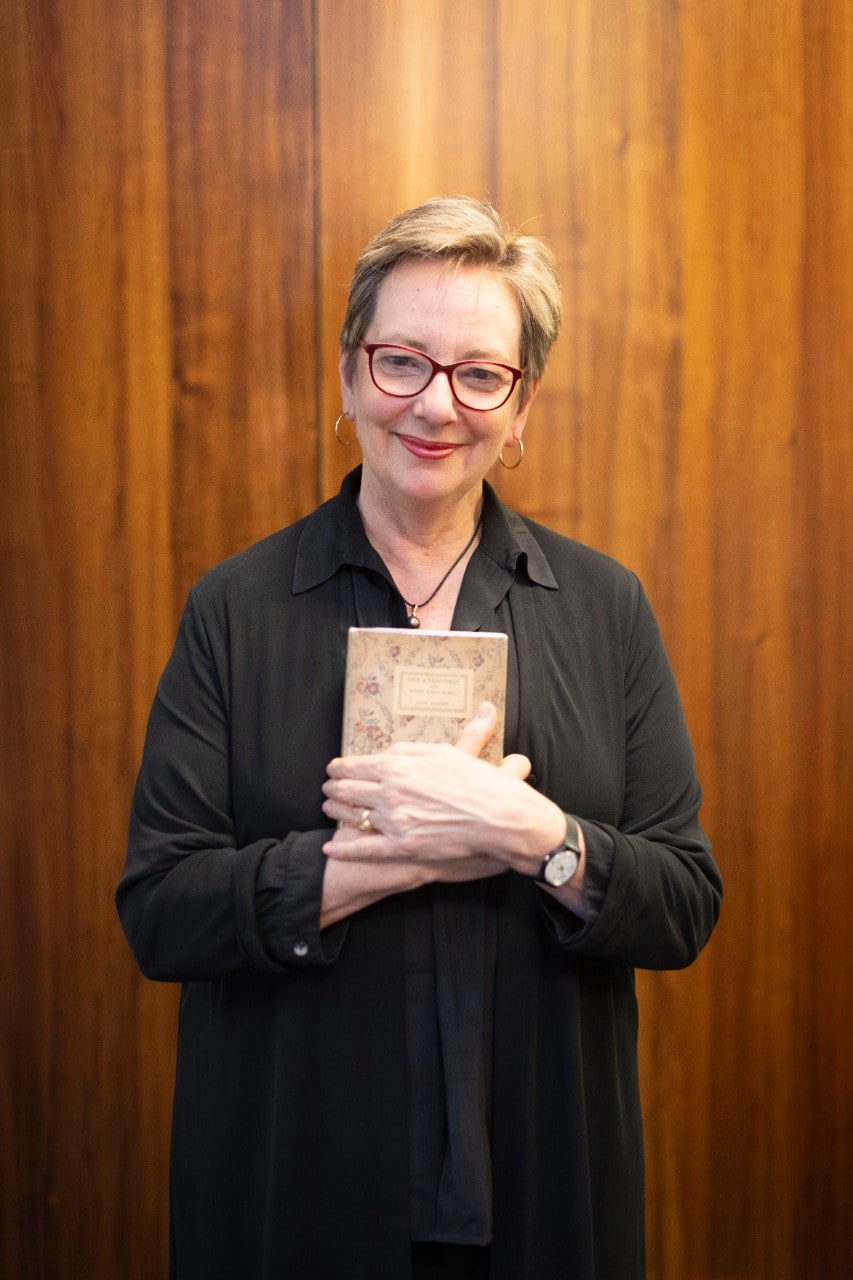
column 370, row 347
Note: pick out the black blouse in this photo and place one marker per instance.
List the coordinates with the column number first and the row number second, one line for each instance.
column 293, row 1105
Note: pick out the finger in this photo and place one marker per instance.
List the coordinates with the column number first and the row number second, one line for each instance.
column 517, row 766
column 350, row 791
column 340, row 812
column 364, row 768
column 348, row 844
column 477, row 732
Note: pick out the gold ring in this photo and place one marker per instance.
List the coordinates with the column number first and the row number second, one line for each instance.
column 364, row 823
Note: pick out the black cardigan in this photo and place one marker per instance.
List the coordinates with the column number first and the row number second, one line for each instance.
column 290, row 1150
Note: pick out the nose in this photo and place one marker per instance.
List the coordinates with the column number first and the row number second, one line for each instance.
column 436, row 400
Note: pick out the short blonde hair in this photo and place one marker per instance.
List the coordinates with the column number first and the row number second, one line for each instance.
column 467, row 232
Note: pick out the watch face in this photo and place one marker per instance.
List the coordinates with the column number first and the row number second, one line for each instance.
column 561, row 868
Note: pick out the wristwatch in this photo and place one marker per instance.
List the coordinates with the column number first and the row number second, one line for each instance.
column 560, row 865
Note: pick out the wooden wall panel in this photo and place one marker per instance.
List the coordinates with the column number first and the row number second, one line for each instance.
column 824, row 642
column 745, row 229
column 82, row 194
column 599, row 84
column 405, row 112
column 183, row 191
column 757, row 307
column 536, row 167
column 242, row 217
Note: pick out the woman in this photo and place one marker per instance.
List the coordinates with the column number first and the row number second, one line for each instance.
column 408, row 1023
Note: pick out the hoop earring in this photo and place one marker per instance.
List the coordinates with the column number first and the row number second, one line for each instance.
column 345, row 443
column 515, row 465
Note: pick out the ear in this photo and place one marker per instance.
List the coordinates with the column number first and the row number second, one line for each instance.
column 515, row 429
column 347, row 391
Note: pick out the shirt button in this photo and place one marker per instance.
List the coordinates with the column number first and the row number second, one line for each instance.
column 300, row 948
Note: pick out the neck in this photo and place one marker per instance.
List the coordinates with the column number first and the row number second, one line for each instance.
column 423, row 531
column 425, row 552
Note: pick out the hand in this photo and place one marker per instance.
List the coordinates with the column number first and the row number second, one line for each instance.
column 433, row 804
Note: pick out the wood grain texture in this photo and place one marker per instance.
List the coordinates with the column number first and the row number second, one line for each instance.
column 755, row 288
column 823, row 551
column 79, row 185
column 242, row 234
column 184, row 189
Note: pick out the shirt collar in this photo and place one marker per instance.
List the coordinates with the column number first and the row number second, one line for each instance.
column 334, row 536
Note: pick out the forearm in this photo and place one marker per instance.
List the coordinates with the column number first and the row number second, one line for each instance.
column 349, row 887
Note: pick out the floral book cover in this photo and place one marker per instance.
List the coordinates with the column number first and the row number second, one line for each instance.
column 420, row 686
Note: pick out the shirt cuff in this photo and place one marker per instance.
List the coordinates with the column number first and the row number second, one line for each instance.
column 288, row 899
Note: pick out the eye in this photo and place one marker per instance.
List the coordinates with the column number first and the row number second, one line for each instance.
column 483, row 377
column 397, row 363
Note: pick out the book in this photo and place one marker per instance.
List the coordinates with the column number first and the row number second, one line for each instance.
column 420, row 686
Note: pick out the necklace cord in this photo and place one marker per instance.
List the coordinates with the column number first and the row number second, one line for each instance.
column 414, row 620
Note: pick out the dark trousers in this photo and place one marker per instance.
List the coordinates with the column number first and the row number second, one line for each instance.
column 449, row 1262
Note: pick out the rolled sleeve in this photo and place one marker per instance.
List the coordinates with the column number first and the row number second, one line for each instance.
column 288, row 900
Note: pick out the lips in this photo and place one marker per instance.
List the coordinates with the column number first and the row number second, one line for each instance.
column 434, row 450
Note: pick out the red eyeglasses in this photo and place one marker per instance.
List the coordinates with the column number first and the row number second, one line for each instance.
column 404, row 372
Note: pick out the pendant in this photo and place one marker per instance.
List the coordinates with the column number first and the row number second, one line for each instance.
column 414, row 621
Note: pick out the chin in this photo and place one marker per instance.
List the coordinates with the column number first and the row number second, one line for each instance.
column 435, row 486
